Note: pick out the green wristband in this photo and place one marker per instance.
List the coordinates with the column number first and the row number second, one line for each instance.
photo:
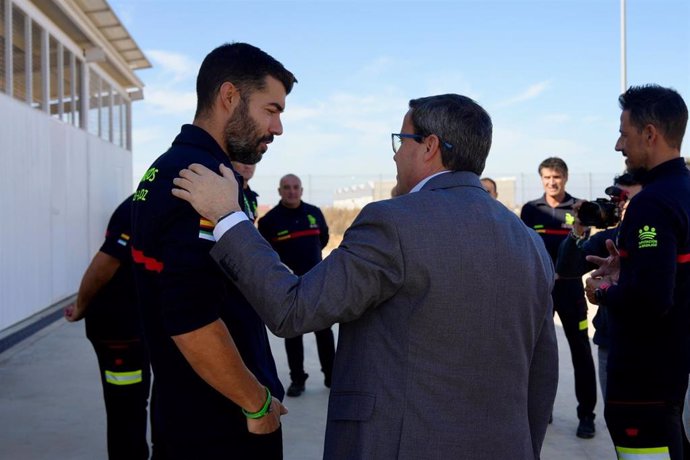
column 263, row 411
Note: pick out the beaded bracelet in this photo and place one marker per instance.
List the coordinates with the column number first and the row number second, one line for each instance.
column 263, row 411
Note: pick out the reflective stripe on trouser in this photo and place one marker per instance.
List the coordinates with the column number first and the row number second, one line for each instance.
column 123, row 378
column 650, row 453
column 641, row 429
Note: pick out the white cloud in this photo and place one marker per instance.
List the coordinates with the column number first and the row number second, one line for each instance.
column 174, row 66
column 530, row 93
column 302, row 113
column 170, row 101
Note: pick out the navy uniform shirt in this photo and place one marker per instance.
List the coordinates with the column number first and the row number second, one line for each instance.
column 181, row 290
column 113, row 313
column 552, row 224
column 298, row 235
column 649, row 307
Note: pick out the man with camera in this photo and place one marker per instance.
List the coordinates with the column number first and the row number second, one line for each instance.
column 604, row 214
column 552, row 217
column 645, row 282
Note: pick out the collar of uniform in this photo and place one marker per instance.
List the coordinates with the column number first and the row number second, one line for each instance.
column 301, row 205
column 666, row 168
column 198, row 137
column 249, row 191
column 568, row 201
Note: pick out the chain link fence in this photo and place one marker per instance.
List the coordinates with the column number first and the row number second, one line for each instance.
column 353, row 191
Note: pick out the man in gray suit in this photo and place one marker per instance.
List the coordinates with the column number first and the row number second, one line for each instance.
column 447, row 347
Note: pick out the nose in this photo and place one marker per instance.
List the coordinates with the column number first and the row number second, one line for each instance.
column 276, row 127
column 619, row 145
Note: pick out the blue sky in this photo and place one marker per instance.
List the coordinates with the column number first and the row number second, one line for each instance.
column 548, row 72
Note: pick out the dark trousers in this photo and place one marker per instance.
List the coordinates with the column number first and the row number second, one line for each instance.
column 652, row 427
column 126, row 380
column 570, row 304
column 236, row 444
column 325, row 345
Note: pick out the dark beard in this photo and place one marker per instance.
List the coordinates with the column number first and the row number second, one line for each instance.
column 242, row 138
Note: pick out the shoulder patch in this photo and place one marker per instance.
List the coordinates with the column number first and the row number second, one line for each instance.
column 647, row 237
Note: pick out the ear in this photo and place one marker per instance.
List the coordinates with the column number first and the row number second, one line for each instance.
column 433, row 148
column 650, row 133
column 228, row 96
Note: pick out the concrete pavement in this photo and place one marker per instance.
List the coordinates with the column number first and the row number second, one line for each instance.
column 51, row 406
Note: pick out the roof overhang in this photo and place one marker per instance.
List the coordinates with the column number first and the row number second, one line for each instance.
column 94, row 27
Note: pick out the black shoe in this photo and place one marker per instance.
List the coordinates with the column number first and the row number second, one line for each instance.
column 295, row 389
column 585, row 429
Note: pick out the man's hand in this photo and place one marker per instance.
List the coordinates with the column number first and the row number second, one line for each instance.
column 211, row 195
column 73, row 312
column 609, row 267
column 607, row 273
column 269, row 422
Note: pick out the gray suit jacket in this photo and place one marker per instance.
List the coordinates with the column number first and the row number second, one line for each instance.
column 447, row 347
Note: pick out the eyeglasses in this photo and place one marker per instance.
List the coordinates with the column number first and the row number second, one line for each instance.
column 396, row 140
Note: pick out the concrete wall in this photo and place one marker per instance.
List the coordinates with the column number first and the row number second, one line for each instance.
column 58, row 187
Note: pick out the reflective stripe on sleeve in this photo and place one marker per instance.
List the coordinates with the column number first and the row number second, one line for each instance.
column 649, row 453
column 123, row 378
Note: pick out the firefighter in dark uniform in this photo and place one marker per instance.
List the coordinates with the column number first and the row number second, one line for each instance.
column 552, row 217
column 107, row 300
column 216, row 392
column 298, row 232
column 645, row 283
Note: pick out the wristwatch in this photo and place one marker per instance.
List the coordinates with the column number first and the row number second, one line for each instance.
column 599, row 292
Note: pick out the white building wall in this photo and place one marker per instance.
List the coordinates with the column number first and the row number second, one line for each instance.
column 58, row 187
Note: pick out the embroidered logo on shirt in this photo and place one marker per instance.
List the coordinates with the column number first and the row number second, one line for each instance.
column 312, row 220
column 569, row 219
column 206, row 230
column 149, row 176
column 647, row 237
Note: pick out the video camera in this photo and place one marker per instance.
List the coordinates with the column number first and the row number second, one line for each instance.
column 603, row 212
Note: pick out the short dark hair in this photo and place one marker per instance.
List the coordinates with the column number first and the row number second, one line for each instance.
column 459, row 121
column 627, row 179
column 554, row 163
column 243, row 65
column 662, row 107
